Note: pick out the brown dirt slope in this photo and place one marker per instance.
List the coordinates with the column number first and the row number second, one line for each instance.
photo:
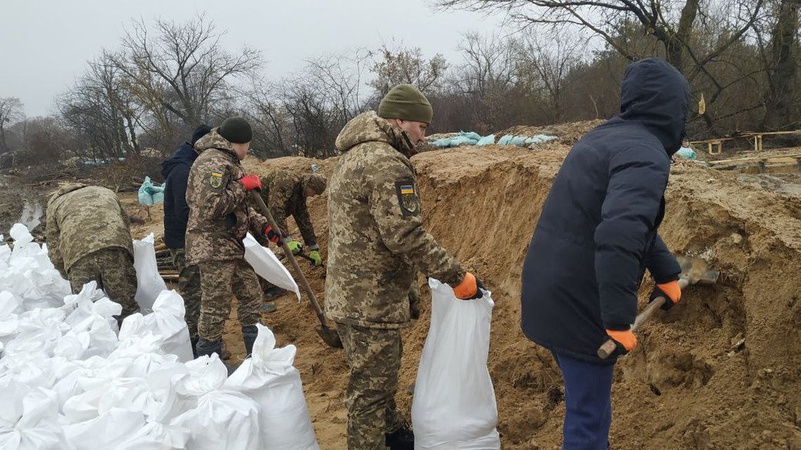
column 689, row 385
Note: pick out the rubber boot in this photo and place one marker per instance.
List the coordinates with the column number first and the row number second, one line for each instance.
column 193, row 341
column 249, row 334
column 400, row 439
column 206, row 348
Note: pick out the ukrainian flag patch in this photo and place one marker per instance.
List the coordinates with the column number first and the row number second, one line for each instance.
column 407, row 198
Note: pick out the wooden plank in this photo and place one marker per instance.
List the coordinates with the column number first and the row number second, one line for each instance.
column 752, row 159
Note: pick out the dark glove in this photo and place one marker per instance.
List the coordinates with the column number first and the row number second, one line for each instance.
column 469, row 288
column 625, row 340
column 414, row 304
column 250, row 182
column 271, row 235
column 670, row 290
column 295, row 247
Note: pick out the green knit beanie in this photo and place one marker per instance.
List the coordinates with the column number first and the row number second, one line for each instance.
column 236, row 130
column 405, row 102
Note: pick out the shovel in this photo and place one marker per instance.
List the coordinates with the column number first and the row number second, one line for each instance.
column 693, row 271
column 329, row 335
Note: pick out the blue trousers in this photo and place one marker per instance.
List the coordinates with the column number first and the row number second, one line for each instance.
column 588, row 403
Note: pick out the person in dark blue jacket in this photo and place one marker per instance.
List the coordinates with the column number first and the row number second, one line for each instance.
column 596, row 235
column 175, row 171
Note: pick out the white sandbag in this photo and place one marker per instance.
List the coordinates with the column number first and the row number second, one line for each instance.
column 267, row 266
column 269, row 378
column 167, row 321
column 91, row 337
column 38, row 331
column 10, row 305
column 10, row 309
column 104, row 431
column 89, row 302
column 29, row 419
column 222, row 419
column 70, row 376
column 156, row 436
column 28, row 273
column 149, row 282
column 454, row 401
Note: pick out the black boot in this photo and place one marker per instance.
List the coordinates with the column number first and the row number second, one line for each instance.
column 249, row 334
column 206, row 348
column 400, row 439
column 193, row 341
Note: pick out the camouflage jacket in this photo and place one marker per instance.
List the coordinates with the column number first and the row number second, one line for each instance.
column 219, row 215
column 81, row 220
column 284, row 194
column 377, row 241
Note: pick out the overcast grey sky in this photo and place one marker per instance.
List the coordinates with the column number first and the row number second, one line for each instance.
column 46, row 44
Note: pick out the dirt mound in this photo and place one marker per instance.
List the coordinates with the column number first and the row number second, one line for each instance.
column 721, row 370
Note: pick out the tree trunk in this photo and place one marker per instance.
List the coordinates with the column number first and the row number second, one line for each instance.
column 781, row 95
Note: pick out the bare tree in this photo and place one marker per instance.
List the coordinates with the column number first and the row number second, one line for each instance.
column 10, row 112
column 489, row 64
column 181, row 69
column 103, row 110
column 321, row 99
column 781, row 96
column 270, row 119
column 671, row 23
column 405, row 65
column 551, row 57
column 46, row 140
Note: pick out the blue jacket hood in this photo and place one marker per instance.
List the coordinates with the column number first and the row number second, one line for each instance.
column 648, row 95
column 185, row 154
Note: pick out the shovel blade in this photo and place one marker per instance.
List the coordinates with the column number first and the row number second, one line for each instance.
column 330, row 337
column 697, row 270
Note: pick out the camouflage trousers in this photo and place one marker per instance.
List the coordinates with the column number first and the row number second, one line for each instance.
column 220, row 281
column 189, row 288
column 374, row 357
column 113, row 270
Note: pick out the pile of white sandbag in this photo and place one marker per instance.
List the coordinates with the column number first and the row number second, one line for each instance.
column 70, row 380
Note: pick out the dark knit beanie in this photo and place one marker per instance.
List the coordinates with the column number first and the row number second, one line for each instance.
column 236, row 130
column 199, row 132
column 405, row 102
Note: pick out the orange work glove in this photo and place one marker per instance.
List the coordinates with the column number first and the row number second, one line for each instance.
column 250, row 182
column 469, row 288
column 670, row 290
column 625, row 340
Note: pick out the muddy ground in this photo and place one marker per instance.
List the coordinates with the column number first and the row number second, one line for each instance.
column 719, row 371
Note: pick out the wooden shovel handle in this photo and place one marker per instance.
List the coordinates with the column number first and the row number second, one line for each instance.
column 609, row 347
column 264, row 210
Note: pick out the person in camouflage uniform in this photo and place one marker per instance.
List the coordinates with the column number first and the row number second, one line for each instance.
column 219, row 219
column 175, row 171
column 88, row 239
column 285, row 193
column 376, row 246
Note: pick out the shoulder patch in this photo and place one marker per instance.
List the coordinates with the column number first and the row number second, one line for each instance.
column 407, row 197
column 215, row 178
